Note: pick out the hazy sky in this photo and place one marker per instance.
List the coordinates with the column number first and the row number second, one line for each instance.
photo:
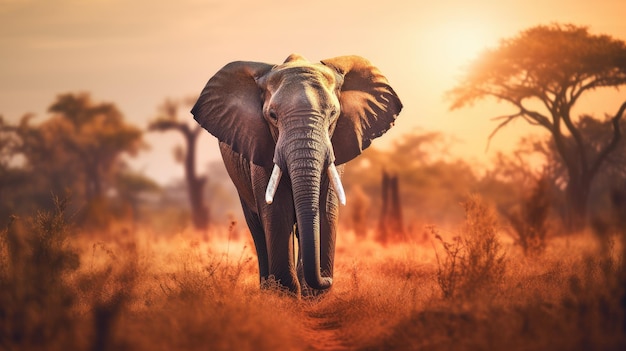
column 137, row 53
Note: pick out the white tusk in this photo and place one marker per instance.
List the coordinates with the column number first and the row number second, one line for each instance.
column 272, row 185
column 336, row 182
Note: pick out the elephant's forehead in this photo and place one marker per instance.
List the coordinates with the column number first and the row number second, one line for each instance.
column 302, row 72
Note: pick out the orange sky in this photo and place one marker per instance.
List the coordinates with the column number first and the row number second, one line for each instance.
column 137, row 53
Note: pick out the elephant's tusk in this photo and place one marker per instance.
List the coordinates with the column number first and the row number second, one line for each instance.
column 272, row 185
column 336, row 182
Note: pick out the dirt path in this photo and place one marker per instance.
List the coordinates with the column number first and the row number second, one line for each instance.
column 323, row 331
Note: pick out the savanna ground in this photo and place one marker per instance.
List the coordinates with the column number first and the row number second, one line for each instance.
column 463, row 288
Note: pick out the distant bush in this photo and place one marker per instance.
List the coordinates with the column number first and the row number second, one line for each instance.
column 531, row 221
column 35, row 301
column 449, row 272
column 474, row 261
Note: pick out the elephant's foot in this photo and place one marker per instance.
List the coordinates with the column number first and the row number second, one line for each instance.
column 306, row 291
column 274, row 285
column 311, row 294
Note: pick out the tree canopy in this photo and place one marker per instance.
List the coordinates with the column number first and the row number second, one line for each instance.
column 543, row 72
column 93, row 135
column 78, row 148
column 554, row 64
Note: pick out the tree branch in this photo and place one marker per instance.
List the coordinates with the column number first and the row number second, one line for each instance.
column 532, row 117
column 617, row 136
column 169, row 124
column 537, row 117
column 575, row 94
column 531, row 121
column 578, row 139
column 507, row 119
column 196, row 130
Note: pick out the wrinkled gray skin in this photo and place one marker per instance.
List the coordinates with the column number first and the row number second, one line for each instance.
column 301, row 117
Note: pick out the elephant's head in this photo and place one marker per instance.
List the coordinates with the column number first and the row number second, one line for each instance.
column 301, row 118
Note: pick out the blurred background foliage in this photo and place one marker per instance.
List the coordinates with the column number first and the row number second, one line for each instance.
column 82, row 147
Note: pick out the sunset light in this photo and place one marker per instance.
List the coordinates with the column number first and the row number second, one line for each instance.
column 458, row 42
column 312, row 175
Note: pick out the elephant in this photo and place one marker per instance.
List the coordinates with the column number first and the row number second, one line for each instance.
column 285, row 131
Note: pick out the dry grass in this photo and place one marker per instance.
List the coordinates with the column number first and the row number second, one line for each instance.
column 473, row 262
column 135, row 290
column 530, row 221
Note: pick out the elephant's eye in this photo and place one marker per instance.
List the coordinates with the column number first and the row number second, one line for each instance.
column 273, row 115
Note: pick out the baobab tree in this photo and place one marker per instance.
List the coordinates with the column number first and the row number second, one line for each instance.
column 543, row 72
column 168, row 120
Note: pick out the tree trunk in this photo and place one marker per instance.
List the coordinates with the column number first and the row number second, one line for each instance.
column 390, row 226
column 581, row 171
column 577, row 196
column 383, row 228
column 199, row 211
column 396, row 210
column 195, row 184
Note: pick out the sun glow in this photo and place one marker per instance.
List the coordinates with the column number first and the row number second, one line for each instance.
column 457, row 42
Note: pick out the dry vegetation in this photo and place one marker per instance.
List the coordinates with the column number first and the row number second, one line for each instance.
column 469, row 288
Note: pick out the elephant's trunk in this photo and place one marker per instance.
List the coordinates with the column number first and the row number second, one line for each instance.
column 306, row 176
column 304, row 152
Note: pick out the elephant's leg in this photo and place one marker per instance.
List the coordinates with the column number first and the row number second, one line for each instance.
column 241, row 174
column 305, row 290
column 279, row 241
column 278, row 220
column 281, row 258
column 258, row 236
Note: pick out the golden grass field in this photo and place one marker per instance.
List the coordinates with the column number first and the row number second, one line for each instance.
column 131, row 289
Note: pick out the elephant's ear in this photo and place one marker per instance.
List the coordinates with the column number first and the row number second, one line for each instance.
column 369, row 106
column 231, row 108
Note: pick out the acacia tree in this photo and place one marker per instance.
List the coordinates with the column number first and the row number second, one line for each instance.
column 611, row 174
column 168, row 120
column 543, row 72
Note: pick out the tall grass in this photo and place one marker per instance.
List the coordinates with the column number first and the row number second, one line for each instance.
column 35, row 301
column 125, row 293
column 63, row 289
column 570, row 298
column 530, row 222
